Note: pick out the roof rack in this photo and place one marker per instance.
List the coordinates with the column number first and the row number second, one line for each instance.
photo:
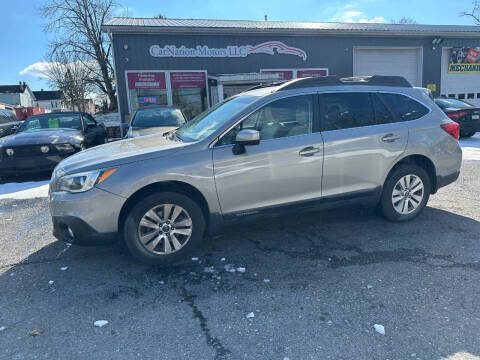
column 373, row 80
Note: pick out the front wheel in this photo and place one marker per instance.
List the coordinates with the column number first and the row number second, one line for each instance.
column 405, row 193
column 164, row 227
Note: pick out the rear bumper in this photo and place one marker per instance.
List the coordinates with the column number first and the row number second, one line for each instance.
column 446, row 180
column 469, row 126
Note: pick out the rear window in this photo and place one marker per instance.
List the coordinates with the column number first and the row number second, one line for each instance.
column 452, row 103
column 404, row 107
column 158, row 117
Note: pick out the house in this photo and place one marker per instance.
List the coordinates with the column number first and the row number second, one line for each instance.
column 17, row 95
column 50, row 100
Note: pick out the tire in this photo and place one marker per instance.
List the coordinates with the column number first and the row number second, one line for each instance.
column 171, row 241
column 393, row 208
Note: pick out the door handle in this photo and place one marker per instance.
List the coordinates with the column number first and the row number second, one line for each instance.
column 390, row 138
column 309, row 151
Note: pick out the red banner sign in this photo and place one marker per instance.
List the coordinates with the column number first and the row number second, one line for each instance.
column 311, row 73
column 146, row 80
column 188, row 80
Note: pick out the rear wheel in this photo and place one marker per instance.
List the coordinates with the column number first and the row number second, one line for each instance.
column 164, row 227
column 405, row 193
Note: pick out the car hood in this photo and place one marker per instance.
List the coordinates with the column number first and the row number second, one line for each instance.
column 141, row 131
column 57, row 136
column 121, row 152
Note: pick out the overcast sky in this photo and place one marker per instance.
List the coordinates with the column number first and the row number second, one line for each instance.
column 24, row 43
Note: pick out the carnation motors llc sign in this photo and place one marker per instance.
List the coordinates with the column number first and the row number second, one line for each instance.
column 230, row 51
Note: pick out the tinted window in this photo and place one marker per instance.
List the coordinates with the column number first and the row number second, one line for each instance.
column 158, row 117
column 382, row 114
column 346, row 110
column 404, row 107
column 446, row 103
column 286, row 117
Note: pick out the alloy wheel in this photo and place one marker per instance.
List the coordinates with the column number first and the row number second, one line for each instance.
column 165, row 229
column 407, row 194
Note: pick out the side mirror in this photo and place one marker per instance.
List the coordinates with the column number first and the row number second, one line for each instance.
column 245, row 137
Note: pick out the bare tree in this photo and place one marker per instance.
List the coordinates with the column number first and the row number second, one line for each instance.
column 474, row 13
column 78, row 35
column 404, row 20
column 70, row 76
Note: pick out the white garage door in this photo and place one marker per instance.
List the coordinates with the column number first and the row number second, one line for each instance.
column 381, row 61
column 460, row 86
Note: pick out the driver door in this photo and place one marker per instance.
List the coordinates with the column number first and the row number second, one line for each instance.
column 90, row 130
column 286, row 166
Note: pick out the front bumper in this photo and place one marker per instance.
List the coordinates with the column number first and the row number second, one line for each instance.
column 91, row 216
column 29, row 165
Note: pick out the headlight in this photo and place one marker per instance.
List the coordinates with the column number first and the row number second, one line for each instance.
column 82, row 182
column 64, row 147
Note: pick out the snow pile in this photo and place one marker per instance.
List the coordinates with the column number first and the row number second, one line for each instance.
column 100, row 323
column 471, row 147
column 25, row 190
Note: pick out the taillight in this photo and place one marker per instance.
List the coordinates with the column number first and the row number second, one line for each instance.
column 457, row 115
column 452, row 128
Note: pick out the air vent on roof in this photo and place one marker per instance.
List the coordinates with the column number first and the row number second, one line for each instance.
column 374, row 80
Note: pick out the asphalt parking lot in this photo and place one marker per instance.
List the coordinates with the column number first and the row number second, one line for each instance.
column 316, row 285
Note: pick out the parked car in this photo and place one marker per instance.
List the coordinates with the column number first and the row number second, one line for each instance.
column 462, row 112
column 8, row 122
column 155, row 120
column 42, row 141
column 311, row 142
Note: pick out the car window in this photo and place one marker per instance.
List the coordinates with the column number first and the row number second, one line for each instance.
column 54, row 121
column 446, row 103
column 346, row 110
column 89, row 120
column 158, row 117
column 382, row 114
column 404, row 107
column 286, row 117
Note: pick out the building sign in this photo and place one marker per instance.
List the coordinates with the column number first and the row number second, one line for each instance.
column 188, row 80
column 464, row 60
column 311, row 73
column 230, row 51
column 282, row 74
column 146, row 80
column 150, row 100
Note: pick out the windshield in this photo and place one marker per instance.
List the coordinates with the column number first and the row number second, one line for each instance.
column 158, row 117
column 204, row 124
column 455, row 103
column 54, row 121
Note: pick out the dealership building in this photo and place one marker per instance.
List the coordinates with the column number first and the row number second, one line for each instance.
column 196, row 63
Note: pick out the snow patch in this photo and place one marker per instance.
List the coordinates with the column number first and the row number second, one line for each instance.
column 25, row 190
column 379, row 328
column 241, row 269
column 51, row 282
column 471, row 148
column 63, row 268
column 250, row 315
column 100, row 323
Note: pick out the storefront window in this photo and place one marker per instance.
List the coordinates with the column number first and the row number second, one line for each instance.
column 189, row 92
column 146, row 88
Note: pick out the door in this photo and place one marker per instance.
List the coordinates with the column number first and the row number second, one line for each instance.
column 91, row 130
column 285, row 167
column 362, row 138
column 404, row 62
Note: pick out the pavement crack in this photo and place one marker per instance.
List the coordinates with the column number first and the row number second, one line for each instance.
column 220, row 351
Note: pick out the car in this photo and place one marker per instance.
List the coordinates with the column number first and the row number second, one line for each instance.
column 8, row 122
column 462, row 112
column 155, row 120
column 42, row 141
column 309, row 143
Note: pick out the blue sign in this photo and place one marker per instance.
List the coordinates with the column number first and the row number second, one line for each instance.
column 150, row 100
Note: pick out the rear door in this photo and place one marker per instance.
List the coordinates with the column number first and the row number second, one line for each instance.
column 286, row 166
column 362, row 138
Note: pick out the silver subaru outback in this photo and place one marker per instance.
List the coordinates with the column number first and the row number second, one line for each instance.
column 306, row 143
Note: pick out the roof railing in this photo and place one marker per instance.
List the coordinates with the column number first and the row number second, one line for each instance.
column 373, row 80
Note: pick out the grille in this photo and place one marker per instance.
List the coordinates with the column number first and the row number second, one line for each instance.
column 29, row 150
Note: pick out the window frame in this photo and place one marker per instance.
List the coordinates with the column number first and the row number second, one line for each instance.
column 372, row 93
column 315, row 118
